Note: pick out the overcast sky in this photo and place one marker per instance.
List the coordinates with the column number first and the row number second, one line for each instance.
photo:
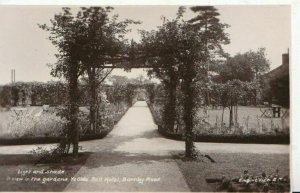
column 25, row 47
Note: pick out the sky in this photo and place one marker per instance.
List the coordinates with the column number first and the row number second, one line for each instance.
column 25, row 48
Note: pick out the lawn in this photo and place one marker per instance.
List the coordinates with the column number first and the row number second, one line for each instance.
column 21, row 173
column 250, row 121
column 231, row 165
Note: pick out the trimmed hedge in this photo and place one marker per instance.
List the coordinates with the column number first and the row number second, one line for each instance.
column 261, row 139
column 46, row 140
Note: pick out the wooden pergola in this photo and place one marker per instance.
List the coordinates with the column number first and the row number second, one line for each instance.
column 127, row 61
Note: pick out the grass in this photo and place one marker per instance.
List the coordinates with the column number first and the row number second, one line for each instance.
column 10, row 165
column 230, row 165
column 249, row 121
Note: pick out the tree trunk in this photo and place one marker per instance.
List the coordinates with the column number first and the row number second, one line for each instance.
column 170, row 108
column 93, row 99
column 74, row 107
column 223, row 108
column 255, row 97
column 236, row 114
column 230, row 116
column 207, row 97
column 98, row 115
column 188, row 117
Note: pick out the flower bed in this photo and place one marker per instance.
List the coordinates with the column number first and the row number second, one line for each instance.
column 37, row 126
column 271, row 131
column 252, row 183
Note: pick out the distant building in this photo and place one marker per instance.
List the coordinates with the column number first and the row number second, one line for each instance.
column 276, row 84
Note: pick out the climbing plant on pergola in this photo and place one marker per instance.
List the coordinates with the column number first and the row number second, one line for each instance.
column 86, row 41
column 92, row 40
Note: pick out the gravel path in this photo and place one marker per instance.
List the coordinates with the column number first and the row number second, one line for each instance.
column 121, row 165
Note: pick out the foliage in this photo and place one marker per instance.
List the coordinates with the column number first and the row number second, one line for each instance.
column 209, row 122
column 150, row 89
column 231, row 94
column 203, row 35
column 103, row 38
column 46, row 124
column 237, row 67
column 5, row 96
column 34, row 122
column 156, row 100
column 245, row 67
column 119, row 93
column 250, row 183
column 161, row 49
column 46, row 155
column 67, row 35
column 180, row 51
column 55, row 93
column 83, row 41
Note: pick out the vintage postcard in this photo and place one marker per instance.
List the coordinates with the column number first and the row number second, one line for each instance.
column 145, row 98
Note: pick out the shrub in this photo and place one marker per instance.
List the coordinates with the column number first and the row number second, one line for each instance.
column 28, row 125
column 255, row 183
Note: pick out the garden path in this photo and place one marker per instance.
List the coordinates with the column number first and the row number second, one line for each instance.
column 135, row 153
column 137, row 133
column 123, row 165
column 135, row 149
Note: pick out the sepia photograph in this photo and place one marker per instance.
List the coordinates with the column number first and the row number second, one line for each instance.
column 145, row 98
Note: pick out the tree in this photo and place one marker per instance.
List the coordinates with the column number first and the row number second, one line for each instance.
column 245, row 67
column 237, row 67
column 180, row 51
column 104, row 39
column 200, row 37
column 209, row 27
column 161, row 49
column 67, row 35
column 84, row 42
column 116, row 79
column 258, row 62
column 233, row 92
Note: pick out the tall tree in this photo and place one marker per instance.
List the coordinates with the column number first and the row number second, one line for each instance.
column 67, row 35
column 237, row 67
column 161, row 49
column 85, row 41
column 202, row 36
column 249, row 66
column 246, row 66
column 104, row 39
column 209, row 28
column 180, row 51
column 258, row 61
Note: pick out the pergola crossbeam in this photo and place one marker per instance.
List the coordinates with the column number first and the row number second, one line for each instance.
column 126, row 63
